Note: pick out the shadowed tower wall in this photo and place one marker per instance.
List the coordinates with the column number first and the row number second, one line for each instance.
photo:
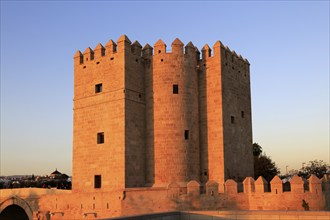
column 225, row 115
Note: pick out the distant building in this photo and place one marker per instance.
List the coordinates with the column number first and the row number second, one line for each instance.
column 55, row 175
column 58, row 175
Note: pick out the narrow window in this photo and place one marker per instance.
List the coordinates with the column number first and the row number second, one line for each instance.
column 97, row 181
column 232, row 119
column 175, row 89
column 242, row 114
column 186, row 134
column 100, row 137
column 98, row 88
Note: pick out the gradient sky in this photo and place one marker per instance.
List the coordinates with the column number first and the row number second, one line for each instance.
column 286, row 42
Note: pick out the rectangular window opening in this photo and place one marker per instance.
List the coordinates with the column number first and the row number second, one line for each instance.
column 97, row 181
column 186, row 134
column 175, row 89
column 98, row 88
column 100, row 137
column 232, row 119
column 242, row 114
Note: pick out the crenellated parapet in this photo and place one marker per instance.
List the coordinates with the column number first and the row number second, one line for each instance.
column 177, row 47
column 219, row 49
column 276, row 185
column 123, row 44
column 256, row 186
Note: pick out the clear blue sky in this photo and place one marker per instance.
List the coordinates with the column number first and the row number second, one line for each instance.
column 286, row 42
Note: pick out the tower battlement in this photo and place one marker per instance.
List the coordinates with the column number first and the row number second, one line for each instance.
column 124, row 44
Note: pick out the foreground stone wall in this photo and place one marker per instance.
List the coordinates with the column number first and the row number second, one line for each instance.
column 255, row 195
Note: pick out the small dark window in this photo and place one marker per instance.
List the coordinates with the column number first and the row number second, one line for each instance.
column 175, row 89
column 205, row 173
column 111, row 58
column 242, row 114
column 84, row 67
column 97, row 62
column 232, row 119
column 186, row 134
column 136, row 60
column 97, row 181
column 98, row 88
column 161, row 60
column 100, row 137
column 159, row 51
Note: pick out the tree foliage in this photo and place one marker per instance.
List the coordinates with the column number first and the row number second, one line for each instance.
column 316, row 167
column 263, row 164
column 257, row 149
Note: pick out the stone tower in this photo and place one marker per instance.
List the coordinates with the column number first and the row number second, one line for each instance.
column 149, row 117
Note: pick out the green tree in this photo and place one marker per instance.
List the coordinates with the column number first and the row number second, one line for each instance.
column 263, row 164
column 316, row 167
column 257, row 149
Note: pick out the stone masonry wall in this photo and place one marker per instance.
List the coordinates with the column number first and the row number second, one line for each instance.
column 256, row 195
column 96, row 112
column 165, row 116
column 135, row 146
column 175, row 118
column 211, row 124
column 237, row 122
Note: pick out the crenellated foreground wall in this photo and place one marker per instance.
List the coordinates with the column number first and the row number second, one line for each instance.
column 254, row 195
